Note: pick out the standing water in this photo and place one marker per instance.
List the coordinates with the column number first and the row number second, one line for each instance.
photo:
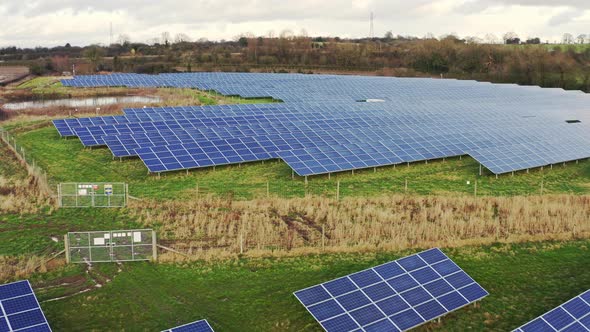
column 84, row 102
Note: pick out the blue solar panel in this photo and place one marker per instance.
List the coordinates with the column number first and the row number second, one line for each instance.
column 321, row 128
column 572, row 316
column 395, row 296
column 20, row 310
column 198, row 326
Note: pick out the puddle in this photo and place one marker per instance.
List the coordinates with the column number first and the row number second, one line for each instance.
column 83, row 102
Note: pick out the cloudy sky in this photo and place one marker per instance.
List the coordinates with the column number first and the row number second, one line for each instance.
column 80, row 22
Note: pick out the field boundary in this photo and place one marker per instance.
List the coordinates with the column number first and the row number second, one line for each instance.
column 34, row 170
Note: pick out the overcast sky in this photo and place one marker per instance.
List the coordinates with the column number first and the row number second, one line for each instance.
column 81, row 22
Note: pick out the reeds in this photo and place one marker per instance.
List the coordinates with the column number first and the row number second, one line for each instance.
column 216, row 227
column 21, row 267
column 21, row 192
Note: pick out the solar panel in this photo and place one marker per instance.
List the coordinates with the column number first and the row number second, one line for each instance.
column 572, row 316
column 20, row 310
column 395, row 296
column 198, row 326
column 321, row 127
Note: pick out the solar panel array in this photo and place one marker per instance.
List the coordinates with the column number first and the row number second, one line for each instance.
column 198, row 326
column 321, row 127
column 395, row 296
column 572, row 316
column 20, row 310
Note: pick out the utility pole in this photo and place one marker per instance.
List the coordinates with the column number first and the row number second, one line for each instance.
column 372, row 28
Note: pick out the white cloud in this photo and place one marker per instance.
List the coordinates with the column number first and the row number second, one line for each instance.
column 81, row 22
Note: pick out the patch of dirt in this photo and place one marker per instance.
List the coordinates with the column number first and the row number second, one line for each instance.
column 65, row 281
column 75, row 285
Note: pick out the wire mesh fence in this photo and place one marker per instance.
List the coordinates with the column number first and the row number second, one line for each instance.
column 352, row 187
column 110, row 246
column 97, row 194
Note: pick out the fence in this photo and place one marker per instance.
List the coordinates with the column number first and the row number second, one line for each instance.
column 111, row 246
column 33, row 169
column 372, row 187
column 102, row 195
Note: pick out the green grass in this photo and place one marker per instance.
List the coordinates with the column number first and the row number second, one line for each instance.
column 256, row 295
column 51, row 86
column 65, row 160
column 34, row 232
column 40, row 82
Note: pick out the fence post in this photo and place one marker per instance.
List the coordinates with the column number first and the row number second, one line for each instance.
column 338, row 190
column 542, row 186
column 267, row 189
column 154, row 246
column 67, row 248
column 475, row 189
column 406, row 186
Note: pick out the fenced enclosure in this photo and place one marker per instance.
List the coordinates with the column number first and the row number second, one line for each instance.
column 104, row 195
column 111, row 246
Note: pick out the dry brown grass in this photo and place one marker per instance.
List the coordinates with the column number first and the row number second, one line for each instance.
column 214, row 227
column 21, row 267
column 21, row 196
column 23, row 188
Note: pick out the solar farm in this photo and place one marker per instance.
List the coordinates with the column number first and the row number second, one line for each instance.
column 327, row 124
column 296, row 202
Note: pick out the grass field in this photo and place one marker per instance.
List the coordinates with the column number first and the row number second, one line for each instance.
column 256, row 295
column 65, row 160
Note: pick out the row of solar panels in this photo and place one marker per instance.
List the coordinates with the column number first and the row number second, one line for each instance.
column 395, row 296
column 481, row 116
column 124, row 139
column 233, row 83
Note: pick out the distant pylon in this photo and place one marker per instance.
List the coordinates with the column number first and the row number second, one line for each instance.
column 372, row 29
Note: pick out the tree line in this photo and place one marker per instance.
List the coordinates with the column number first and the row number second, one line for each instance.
column 566, row 66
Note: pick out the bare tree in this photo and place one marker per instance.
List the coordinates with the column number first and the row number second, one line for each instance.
column 94, row 54
column 153, row 41
column 452, row 35
column 165, row 38
column 61, row 62
column 581, row 38
column 490, row 38
column 429, row 35
column 567, row 38
column 511, row 38
column 181, row 38
column 287, row 34
column 123, row 39
column 473, row 40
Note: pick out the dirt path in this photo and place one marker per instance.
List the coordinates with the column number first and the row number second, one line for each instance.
column 76, row 285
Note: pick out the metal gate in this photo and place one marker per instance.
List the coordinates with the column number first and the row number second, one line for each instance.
column 111, row 246
column 98, row 194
